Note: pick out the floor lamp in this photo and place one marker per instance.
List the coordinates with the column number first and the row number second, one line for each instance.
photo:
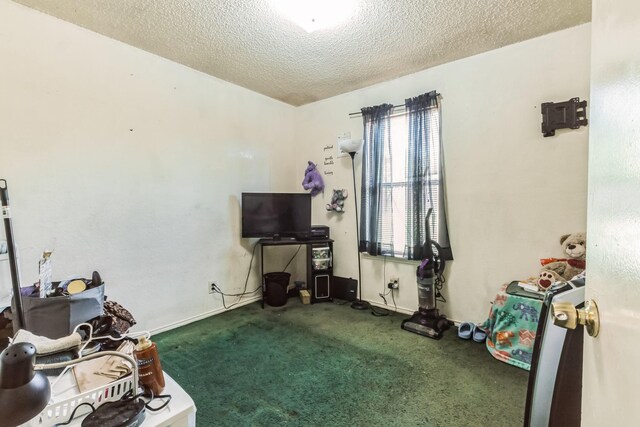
column 11, row 250
column 351, row 147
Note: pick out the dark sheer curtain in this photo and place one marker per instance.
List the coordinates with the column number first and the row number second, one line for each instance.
column 425, row 177
column 376, row 237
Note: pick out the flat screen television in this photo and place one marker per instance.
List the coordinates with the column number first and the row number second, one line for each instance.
column 276, row 215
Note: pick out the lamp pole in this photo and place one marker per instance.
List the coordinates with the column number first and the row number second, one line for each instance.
column 11, row 250
column 357, row 304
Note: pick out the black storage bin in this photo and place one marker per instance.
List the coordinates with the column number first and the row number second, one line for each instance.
column 56, row 317
column 276, row 285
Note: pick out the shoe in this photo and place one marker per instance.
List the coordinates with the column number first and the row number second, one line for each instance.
column 465, row 330
column 479, row 335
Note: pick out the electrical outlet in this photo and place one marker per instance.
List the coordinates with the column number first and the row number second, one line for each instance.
column 393, row 284
column 211, row 287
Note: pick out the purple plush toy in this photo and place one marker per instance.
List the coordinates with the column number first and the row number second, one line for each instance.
column 313, row 180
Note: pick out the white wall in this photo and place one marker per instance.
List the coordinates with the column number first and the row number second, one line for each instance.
column 132, row 165
column 511, row 192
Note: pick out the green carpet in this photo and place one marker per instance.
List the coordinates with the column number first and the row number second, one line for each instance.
column 330, row 365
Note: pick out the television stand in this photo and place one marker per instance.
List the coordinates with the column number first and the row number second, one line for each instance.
column 319, row 265
column 280, row 239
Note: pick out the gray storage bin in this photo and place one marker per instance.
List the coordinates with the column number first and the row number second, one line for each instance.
column 56, row 317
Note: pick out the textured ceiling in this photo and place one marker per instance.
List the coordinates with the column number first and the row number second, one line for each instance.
column 246, row 42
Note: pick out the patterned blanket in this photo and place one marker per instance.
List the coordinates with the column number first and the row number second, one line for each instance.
column 512, row 324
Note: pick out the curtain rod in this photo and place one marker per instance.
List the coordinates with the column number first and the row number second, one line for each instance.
column 359, row 113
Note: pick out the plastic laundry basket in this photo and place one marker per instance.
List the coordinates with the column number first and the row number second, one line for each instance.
column 276, row 288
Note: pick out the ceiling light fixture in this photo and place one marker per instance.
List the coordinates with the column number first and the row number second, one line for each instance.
column 315, row 15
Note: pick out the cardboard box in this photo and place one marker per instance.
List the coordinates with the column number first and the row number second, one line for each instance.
column 305, row 296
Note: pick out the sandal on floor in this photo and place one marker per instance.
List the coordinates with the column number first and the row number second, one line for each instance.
column 465, row 330
column 479, row 335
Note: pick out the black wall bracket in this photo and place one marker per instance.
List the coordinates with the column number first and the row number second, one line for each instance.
column 561, row 115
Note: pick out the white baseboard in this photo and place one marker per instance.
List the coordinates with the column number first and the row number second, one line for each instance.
column 201, row 316
column 219, row 310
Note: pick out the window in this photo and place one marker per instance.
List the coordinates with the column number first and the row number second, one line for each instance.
column 397, row 182
column 402, row 178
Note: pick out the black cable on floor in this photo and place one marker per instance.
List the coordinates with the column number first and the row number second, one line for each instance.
column 244, row 292
column 376, row 313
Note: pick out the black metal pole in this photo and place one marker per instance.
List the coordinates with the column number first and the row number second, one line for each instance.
column 359, row 113
column 11, row 250
column 357, row 304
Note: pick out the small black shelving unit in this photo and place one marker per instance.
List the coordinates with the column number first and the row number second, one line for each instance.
column 320, row 270
column 319, row 266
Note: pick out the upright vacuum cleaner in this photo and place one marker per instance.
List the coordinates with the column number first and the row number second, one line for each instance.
column 428, row 321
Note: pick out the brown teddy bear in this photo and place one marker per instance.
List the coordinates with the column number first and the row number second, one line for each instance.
column 563, row 269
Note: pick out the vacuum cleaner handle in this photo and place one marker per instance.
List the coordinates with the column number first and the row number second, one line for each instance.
column 427, row 249
column 427, row 266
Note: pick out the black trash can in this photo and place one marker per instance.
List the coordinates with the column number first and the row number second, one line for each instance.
column 276, row 288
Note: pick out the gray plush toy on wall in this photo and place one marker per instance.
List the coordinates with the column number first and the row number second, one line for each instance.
column 337, row 201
